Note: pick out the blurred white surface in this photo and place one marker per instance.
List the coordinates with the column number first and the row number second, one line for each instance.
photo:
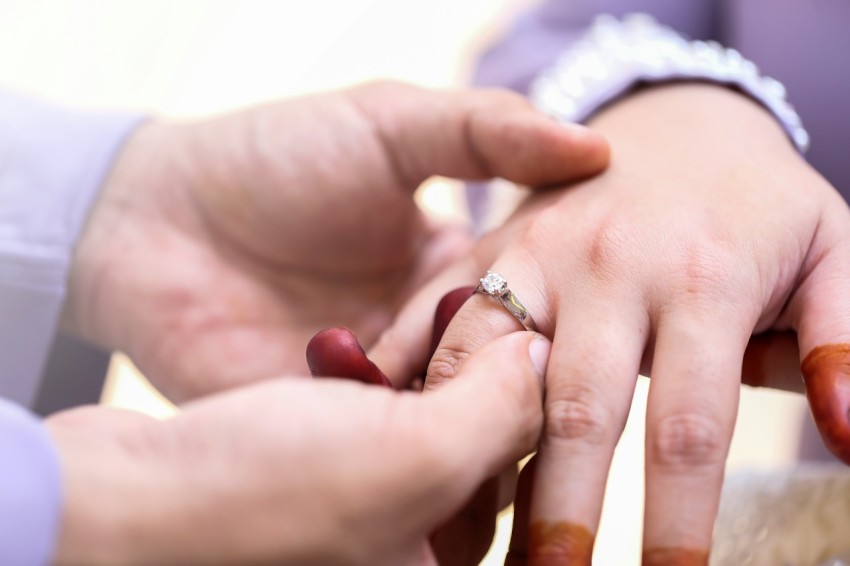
column 183, row 58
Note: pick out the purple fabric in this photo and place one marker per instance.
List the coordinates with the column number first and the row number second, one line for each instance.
column 30, row 489
column 802, row 43
column 541, row 34
column 52, row 163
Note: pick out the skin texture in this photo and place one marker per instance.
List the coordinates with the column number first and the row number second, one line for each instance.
column 553, row 543
column 660, row 266
column 674, row 557
column 336, row 352
column 261, row 475
column 217, row 248
column 466, row 537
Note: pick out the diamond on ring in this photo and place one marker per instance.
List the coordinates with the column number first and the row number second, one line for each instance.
column 496, row 287
column 493, row 283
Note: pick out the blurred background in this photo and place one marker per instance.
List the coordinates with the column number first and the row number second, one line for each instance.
column 188, row 58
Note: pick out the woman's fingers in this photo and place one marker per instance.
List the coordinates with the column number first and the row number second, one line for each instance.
column 824, row 337
column 492, row 411
column 772, row 359
column 482, row 319
column 336, row 352
column 465, row 539
column 691, row 411
column 402, row 351
column 589, row 386
column 518, row 549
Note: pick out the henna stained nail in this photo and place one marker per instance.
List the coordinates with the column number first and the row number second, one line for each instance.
column 560, row 543
column 335, row 352
column 674, row 556
column 444, row 313
column 826, row 373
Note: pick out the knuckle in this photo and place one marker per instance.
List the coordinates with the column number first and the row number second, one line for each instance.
column 705, row 271
column 608, row 244
column 684, row 441
column 546, row 226
column 444, row 365
column 578, row 416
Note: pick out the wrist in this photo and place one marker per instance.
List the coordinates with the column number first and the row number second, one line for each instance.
column 614, row 56
column 130, row 208
column 693, row 122
column 122, row 485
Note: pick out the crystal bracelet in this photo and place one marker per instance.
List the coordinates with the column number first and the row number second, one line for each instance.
column 613, row 56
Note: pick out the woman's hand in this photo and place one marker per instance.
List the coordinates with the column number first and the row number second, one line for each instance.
column 292, row 471
column 218, row 248
column 707, row 229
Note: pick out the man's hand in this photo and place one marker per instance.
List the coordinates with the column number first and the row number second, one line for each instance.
column 218, row 248
column 707, row 229
column 291, row 471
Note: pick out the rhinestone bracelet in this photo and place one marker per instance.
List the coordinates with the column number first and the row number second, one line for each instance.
column 613, row 56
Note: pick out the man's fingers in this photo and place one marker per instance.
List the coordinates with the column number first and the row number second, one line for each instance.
column 402, row 351
column 465, row 539
column 476, row 135
column 824, row 337
column 482, row 319
column 691, row 412
column 493, row 412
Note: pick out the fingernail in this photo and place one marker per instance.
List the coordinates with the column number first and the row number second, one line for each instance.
column 538, row 351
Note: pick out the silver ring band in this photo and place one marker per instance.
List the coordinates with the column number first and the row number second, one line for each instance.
column 495, row 286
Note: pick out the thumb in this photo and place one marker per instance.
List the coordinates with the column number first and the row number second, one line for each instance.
column 477, row 134
column 824, row 339
column 493, row 409
column 404, row 349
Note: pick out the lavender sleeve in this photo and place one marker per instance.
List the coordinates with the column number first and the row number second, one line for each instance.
column 539, row 35
column 52, row 162
column 30, row 489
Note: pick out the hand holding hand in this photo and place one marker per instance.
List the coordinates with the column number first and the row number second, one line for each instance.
column 217, row 248
column 708, row 228
column 295, row 471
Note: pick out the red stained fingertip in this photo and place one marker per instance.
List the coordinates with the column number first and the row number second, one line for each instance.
column 826, row 373
column 335, row 352
column 446, row 310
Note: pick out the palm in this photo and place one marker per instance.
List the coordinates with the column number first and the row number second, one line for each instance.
column 248, row 273
column 246, row 234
